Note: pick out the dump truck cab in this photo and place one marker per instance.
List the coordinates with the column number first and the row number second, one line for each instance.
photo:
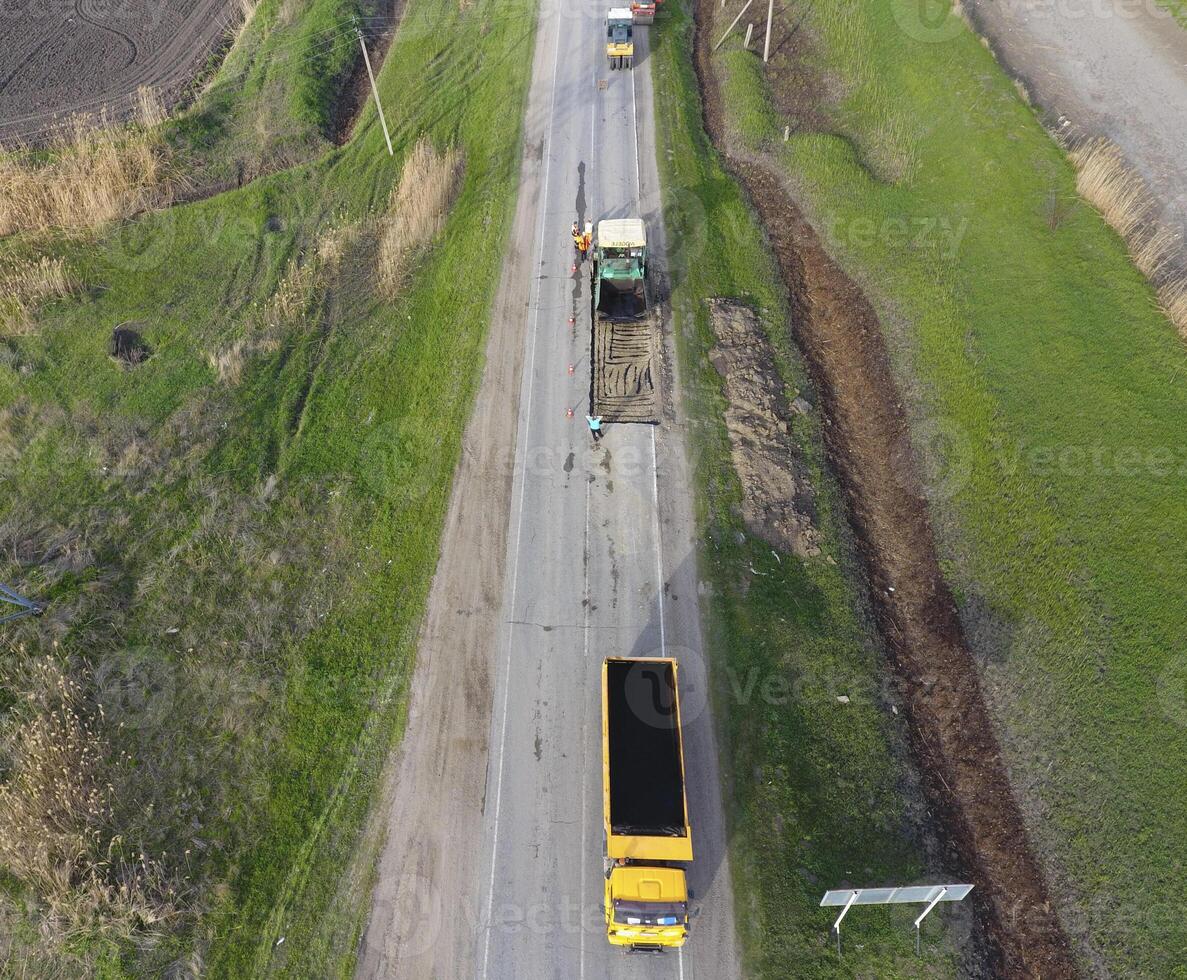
column 646, row 907
column 620, row 268
column 645, row 807
column 643, row 12
column 620, row 37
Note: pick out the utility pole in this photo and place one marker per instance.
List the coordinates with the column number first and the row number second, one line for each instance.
column 766, row 50
column 375, row 92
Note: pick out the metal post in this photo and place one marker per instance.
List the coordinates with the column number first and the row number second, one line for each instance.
column 731, row 27
column 837, row 924
column 26, row 607
column 923, row 915
column 766, row 50
column 375, row 92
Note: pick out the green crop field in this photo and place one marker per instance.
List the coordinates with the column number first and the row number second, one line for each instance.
column 1048, row 398
column 821, row 792
column 235, row 538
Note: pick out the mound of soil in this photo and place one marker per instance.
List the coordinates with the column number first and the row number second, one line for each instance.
column 778, row 502
column 128, row 346
column 953, row 738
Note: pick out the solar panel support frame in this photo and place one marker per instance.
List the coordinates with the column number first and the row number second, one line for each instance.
column 931, row 895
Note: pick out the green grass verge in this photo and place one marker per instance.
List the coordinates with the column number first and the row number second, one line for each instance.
column 270, row 102
column 243, row 565
column 1048, row 401
column 819, row 792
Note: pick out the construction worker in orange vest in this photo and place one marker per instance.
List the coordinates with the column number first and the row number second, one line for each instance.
column 586, row 239
column 578, row 242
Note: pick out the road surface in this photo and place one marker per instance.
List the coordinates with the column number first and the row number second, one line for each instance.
column 1113, row 68
column 553, row 558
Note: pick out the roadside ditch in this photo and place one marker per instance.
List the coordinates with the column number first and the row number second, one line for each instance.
column 867, row 441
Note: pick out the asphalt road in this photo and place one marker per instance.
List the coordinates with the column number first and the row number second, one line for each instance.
column 1112, row 68
column 569, row 554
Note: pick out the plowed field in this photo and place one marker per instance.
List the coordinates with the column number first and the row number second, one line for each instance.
column 59, row 59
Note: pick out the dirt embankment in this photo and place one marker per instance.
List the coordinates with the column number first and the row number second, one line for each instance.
column 865, row 432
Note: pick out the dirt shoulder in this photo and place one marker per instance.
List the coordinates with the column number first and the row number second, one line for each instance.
column 1110, row 69
column 867, row 441
column 424, row 911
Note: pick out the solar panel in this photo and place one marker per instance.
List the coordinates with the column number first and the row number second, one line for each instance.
column 928, row 895
column 895, row 896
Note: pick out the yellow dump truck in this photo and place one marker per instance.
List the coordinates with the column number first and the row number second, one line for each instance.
column 645, row 808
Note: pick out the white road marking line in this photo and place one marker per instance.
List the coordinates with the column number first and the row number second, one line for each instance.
column 494, row 864
column 584, row 781
column 589, row 170
column 635, row 121
column 659, row 548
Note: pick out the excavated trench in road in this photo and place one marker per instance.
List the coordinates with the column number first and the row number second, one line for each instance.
column 868, row 445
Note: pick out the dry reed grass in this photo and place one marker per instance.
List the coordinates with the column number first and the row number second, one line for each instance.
column 25, row 285
column 228, row 363
column 1105, row 181
column 89, row 178
column 150, row 111
column 57, row 818
column 416, row 210
column 294, row 294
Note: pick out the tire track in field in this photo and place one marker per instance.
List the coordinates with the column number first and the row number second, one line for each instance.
column 107, row 28
column 167, row 68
